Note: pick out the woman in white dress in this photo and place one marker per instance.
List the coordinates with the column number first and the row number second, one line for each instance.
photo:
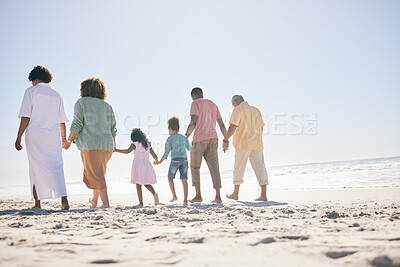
column 43, row 119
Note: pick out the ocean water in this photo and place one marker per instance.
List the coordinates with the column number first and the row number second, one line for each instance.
column 366, row 173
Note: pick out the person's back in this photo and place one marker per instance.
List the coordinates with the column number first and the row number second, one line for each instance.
column 141, row 153
column 43, row 119
column 46, row 104
column 204, row 117
column 208, row 114
column 178, row 145
column 94, row 120
column 248, row 119
column 246, row 125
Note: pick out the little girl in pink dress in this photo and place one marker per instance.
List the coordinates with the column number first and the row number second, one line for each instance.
column 142, row 170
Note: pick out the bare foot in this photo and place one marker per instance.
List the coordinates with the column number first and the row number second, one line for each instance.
column 64, row 203
column 175, row 198
column 156, row 200
column 94, row 204
column 233, row 196
column 196, row 200
column 140, row 205
column 104, row 206
column 65, row 206
column 37, row 207
column 262, row 198
column 217, row 200
column 185, row 203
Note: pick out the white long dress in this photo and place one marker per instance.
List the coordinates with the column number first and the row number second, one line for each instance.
column 45, row 108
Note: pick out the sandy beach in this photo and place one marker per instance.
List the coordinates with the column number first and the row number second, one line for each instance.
column 349, row 227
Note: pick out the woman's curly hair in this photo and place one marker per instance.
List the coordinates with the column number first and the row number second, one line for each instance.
column 40, row 73
column 138, row 136
column 93, row 87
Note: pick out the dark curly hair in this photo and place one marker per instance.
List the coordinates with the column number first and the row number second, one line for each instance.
column 138, row 136
column 40, row 73
column 173, row 124
column 93, row 87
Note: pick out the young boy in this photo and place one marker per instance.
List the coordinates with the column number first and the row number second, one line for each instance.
column 177, row 145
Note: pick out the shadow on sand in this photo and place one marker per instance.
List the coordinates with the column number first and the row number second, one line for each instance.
column 40, row 212
column 257, row 203
column 234, row 204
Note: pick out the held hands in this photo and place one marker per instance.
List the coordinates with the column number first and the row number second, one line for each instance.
column 225, row 145
column 66, row 143
column 158, row 162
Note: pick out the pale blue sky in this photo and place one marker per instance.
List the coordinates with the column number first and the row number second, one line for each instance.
column 337, row 59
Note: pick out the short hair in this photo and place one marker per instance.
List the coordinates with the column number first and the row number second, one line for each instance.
column 40, row 73
column 173, row 124
column 237, row 98
column 197, row 91
column 93, row 87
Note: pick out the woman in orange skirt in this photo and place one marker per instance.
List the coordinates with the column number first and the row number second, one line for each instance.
column 93, row 130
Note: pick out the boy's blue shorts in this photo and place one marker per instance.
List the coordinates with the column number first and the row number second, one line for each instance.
column 180, row 164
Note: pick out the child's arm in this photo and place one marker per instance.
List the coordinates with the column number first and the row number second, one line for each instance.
column 156, row 162
column 167, row 149
column 126, row 151
column 153, row 154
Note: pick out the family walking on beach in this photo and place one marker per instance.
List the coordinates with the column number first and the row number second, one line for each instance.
column 93, row 130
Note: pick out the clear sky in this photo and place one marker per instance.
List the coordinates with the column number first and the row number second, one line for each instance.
column 325, row 74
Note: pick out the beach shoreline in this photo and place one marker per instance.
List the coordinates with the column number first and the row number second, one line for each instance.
column 345, row 227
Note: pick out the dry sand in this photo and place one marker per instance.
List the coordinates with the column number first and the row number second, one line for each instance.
column 349, row 227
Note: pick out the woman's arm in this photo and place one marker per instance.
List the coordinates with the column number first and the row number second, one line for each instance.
column 63, row 133
column 126, row 151
column 22, row 127
column 78, row 121
column 153, row 154
column 76, row 125
column 71, row 138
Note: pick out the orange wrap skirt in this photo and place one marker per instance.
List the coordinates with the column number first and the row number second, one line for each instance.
column 95, row 168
